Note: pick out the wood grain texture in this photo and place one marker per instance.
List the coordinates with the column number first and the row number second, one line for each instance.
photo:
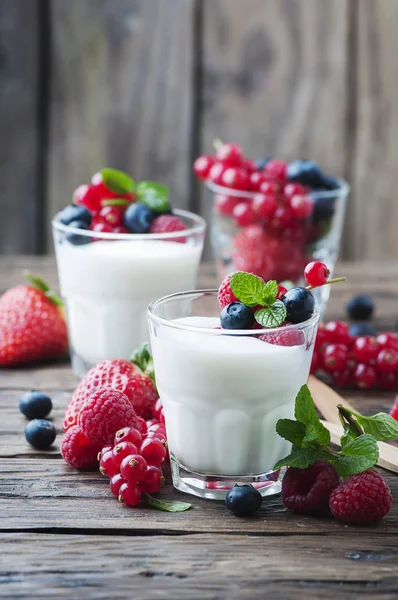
column 19, row 63
column 200, row 567
column 373, row 210
column 121, row 93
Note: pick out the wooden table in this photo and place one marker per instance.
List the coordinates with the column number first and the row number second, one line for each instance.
column 64, row 536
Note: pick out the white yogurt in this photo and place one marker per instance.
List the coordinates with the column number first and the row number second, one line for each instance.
column 223, row 395
column 107, row 286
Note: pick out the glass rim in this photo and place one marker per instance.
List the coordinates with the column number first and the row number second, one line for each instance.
column 211, row 331
column 341, row 191
column 198, row 227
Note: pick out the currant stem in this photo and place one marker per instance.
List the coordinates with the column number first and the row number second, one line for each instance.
column 217, row 143
column 348, row 417
column 329, row 281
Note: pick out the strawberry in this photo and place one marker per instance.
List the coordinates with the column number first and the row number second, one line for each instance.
column 121, row 375
column 32, row 324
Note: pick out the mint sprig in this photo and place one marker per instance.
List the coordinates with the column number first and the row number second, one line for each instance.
column 311, row 440
column 252, row 291
column 154, row 195
column 117, row 181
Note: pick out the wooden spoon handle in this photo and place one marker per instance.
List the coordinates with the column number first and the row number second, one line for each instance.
column 326, row 400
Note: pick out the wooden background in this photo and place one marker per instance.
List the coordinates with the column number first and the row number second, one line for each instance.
column 145, row 85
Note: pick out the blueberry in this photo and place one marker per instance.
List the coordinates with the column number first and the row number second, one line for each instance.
column 40, row 433
column 330, row 183
column 243, row 500
column 324, row 208
column 299, row 304
column 75, row 213
column 138, row 218
column 75, row 238
column 306, row 172
column 261, row 163
column 360, row 308
column 358, row 329
column 35, row 405
column 237, row 316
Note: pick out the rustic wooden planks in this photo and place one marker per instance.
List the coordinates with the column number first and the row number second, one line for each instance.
column 121, row 93
column 20, row 206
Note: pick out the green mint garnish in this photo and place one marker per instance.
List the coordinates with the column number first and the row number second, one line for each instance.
column 117, row 181
column 154, row 195
column 272, row 315
column 311, row 440
column 252, row 291
column 167, row 505
column 115, row 202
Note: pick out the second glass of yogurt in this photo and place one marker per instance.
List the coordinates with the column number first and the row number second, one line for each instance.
column 223, row 392
column 107, row 281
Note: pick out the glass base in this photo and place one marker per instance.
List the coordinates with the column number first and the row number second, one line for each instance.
column 215, row 487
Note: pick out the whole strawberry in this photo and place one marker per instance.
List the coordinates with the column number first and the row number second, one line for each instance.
column 361, row 498
column 121, row 375
column 32, row 324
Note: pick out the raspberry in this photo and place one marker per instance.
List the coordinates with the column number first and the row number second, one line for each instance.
column 167, row 224
column 225, row 293
column 106, row 412
column 394, row 409
column 361, row 498
column 307, row 491
column 78, row 451
column 252, row 251
column 291, row 337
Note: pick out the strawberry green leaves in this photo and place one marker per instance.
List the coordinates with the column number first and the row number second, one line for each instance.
column 311, row 439
column 252, row 291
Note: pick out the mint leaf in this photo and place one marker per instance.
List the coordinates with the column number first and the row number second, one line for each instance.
column 115, row 202
column 301, row 459
column 290, row 430
column 358, row 455
column 117, row 181
column 154, row 195
column 382, row 426
column 167, row 505
column 247, row 288
column 270, row 290
column 271, row 316
column 316, row 433
column 304, row 409
column 348, row 436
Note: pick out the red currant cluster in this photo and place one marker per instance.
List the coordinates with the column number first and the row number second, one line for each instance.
column 277, row 209
column 133, row 463
column 365, row 361
column 106, row 217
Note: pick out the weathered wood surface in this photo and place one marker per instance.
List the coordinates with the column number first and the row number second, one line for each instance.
column 145, row 85
column 63, row 535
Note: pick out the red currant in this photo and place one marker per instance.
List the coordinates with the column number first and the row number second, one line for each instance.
column 337, row 332
column 101, row 227
column 255, row 180
column 335, row 357
column 216, row 172
column 302, row 207
column 123, row 449
column 366, row 349
column 158, row 428
column 230, row 154
column 244, row 215
column 294, row 189
column 315, row 363
column 281, row 219
column 107, row 465
column 141, row 425
column 281, row 292
column 130, row 494
column 128, row 434
column 103, row 451
column 321, row 337
column 235, row 178
column 387, row 361
column 133, row 468
column 115, row 483
column 365, row 376
column 157, row 408
column 224, row 205
column 154, row 421
column 202, row 166
column 342, row 378
column 86, row 195
column 316, row 273
column 276, row 168
column 121, row 229
column 388, row 340
column 264, row 205
column 153, row 451
column 153, row 480
column 269, row 187
column 103, row 192
column 388, row 381
column 111, row 215
column 394, row 409
column 250, row 165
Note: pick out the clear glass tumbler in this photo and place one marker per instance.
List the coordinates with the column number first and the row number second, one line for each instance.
column 273, row 248
column 107, row 281
column 223, row 392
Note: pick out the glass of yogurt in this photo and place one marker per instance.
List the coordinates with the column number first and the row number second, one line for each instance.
column 223, row 392
column 107, row 281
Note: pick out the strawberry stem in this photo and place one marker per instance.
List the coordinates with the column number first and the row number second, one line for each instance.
column 39, row 284
column 330, row 281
